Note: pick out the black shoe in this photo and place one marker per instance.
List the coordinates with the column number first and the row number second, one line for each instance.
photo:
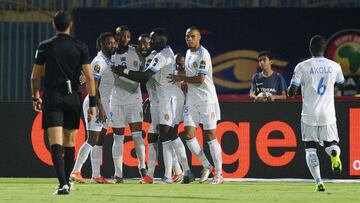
column 143, row 172
column 64, row 190
column 188, row 177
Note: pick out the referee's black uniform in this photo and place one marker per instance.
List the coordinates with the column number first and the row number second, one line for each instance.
column 63, row 57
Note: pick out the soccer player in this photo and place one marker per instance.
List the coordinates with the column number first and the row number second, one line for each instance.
column 146, row 56
column 126, row 106
column 96, row 129
column 267, row 85
column 317, row 77
column 202, row 106
column 170, row 97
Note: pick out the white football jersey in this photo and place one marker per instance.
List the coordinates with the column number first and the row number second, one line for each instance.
column 150, row 85
column 126, row 91
column 317, row 77
column 163, row 64
column 101, row 66
column 195, row 63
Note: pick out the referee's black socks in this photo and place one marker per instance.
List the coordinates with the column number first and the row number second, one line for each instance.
column 69, row 155
column 58, row 161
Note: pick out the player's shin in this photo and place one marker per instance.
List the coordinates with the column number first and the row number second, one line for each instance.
column 117, row 153
column 139, row 148
column 96, row 160
column 215, row 151
column 313, row 164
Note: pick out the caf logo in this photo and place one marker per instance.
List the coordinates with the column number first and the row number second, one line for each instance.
column 344, row 48
column 166, row 117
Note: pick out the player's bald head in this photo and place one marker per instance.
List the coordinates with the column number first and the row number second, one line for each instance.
column 317, row 45
column 193, row 37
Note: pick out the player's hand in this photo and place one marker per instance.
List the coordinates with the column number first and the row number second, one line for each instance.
column 91, row 113
column 82, row 79
column 102, row 115
column 37, row 105
column 118, row 70
column 174, row 78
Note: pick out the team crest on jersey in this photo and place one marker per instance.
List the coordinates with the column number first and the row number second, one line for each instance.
column 195, row 64
column 97, row 68
column 166, row 117
column 202, row 64
column 136, row 63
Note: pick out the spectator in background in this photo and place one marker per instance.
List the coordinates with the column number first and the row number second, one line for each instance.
column 267, row 85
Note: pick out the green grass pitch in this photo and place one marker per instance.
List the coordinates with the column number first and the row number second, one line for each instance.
column 36, row 190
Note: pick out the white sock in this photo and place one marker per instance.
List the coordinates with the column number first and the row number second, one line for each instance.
column 117, row 153
column 167, row 147
column 153, row 151
column 312, row 161
column 194, row 147
column 331, row 148
column 175, row 162
column 96, row 160
column 82, row 156
column 215, row 151
column 180, row 150
column 139, row 148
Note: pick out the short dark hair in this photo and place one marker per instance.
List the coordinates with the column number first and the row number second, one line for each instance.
column 98, row 43
column 265, row 53
column 179, row 54
column 120, row 29
column 317, row 45
column 62, row 20
column 163, row 32
column 144, row 35
column 104, row 36
column 194, row 28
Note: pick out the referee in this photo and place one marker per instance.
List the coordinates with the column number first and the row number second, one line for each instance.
column 63, row 57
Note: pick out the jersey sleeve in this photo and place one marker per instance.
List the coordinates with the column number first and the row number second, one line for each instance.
column 157, row 63
column 297, row 76
column 40, row 55
column 98, row 69
column 340, row 76
column 253, row 84
column 202, row 65
column 282, row 83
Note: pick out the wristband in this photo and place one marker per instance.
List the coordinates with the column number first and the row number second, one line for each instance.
column 126, row 71
column 92, row 101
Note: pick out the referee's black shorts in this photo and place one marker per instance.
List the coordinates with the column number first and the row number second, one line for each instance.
column 61, row 109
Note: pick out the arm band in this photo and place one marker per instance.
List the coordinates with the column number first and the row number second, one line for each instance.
column 126, row 71
column 92, row 101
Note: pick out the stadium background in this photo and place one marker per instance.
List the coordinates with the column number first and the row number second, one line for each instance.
column 234, row 32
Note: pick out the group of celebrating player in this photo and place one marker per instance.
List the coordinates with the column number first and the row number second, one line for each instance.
column 118, row 71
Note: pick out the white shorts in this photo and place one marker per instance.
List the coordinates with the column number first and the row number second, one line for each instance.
column 319, row 134
column 154, row 112
column 171, row 111
column 207, row 114
column 122, row 115
column 95, row 124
